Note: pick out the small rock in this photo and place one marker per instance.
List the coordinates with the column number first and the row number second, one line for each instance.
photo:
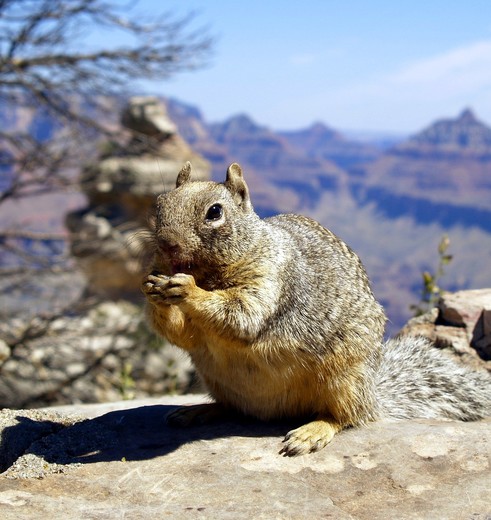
column 461, row 323
column 465, row 308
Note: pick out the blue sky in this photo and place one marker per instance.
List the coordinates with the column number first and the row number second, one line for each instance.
column 369, row 65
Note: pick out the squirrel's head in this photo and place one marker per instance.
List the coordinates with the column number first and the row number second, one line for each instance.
column 202, row 225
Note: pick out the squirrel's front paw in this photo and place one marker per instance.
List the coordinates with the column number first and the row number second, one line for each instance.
column 168, row 290
column 153, row 286
column 310, row 437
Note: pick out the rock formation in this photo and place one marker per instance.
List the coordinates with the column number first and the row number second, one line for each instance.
column 121, row 189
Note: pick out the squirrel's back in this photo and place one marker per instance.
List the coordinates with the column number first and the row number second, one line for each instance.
column 325, row 287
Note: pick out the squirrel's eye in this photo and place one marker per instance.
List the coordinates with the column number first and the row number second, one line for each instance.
column 215, row 212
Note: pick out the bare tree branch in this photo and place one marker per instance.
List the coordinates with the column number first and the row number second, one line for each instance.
column 62, row 81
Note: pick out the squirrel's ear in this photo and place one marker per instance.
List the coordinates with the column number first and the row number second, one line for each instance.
column 237, row 186
column 184, row 175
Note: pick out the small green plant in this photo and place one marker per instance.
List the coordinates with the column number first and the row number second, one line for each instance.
column 432, row 291
column 127, row 383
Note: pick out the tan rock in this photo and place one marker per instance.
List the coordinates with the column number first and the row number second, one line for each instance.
column 465, row 308
column 147, row 115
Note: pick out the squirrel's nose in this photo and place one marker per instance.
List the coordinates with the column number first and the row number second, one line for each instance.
column 168, row 247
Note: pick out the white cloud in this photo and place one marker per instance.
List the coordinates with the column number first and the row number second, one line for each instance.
column 466, row 68
column 411, row 97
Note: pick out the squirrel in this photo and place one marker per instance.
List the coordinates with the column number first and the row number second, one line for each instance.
column 280, row 321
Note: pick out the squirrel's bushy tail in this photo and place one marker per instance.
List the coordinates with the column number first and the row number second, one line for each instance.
column 417, row 380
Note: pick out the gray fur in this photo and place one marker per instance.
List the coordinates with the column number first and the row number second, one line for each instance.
column 415, row 379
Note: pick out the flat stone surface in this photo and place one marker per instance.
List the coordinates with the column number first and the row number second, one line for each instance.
column 124, row 462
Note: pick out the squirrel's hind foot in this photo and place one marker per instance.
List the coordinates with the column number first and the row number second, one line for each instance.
column 310, row 437
column 195, row 415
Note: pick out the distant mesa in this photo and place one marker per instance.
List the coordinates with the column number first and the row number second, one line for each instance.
column 238, row 127
column 464, row 134
column 441, row 174
column 316, row 135
column 322, row 142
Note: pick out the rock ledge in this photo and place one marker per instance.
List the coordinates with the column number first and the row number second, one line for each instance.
column 121, row 460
